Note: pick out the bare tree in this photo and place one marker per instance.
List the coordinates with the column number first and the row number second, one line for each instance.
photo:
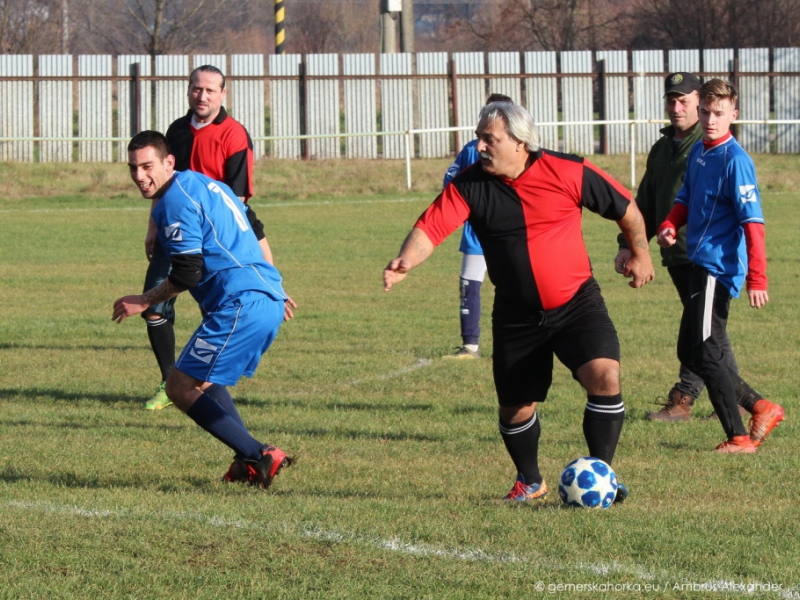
column 544, row 24
column 155, row 26
column 29, row 26
column 714, row 23
column 314, row 26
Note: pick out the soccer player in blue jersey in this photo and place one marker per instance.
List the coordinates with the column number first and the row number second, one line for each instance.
column 204, row 230
column 473, row 265
column 721, row 207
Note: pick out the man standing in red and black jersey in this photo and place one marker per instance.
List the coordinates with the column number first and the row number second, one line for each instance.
column 525, row 205
column 209, row 141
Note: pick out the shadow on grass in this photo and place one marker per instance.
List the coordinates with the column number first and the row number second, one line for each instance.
column 331, row 405
column 73, row 425
column 73, row 480
column 69, row 347
column 364, row 435
column 55, row 394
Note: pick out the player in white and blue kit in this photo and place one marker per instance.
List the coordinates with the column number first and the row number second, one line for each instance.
column 721, row 207
column 473, row 265
column 204, row 230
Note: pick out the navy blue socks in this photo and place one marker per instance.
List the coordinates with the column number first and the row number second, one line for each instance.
column 209, row 415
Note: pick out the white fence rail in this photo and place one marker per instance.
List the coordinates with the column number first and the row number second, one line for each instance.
column 411, row 135
column 60, row 108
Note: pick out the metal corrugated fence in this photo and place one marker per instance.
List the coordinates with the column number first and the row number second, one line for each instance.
column 330, row 105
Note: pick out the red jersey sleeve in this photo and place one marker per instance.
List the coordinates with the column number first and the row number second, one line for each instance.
column 603, row 194
column 756, row 256
column 447, row 213
column 676, row 218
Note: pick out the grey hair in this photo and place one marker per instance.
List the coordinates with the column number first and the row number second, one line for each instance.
column 518, row 122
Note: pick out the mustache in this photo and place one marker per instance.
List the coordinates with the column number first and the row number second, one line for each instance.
column 484, row 156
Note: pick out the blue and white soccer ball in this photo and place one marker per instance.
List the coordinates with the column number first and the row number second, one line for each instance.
column 588, row 483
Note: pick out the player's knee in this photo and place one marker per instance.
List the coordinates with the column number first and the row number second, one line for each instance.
column 600, row 376
column 180, row 392
column 517, row 413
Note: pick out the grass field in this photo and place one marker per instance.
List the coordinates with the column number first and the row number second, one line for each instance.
column 397, row 491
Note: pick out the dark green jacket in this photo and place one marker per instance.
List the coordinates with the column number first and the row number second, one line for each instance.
column 666, row 166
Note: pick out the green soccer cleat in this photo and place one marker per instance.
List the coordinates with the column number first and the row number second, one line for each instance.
column 159, row 399
column 463, row 353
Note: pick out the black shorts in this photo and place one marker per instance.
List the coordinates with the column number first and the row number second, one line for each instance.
column 702, row 338
column 524, row 345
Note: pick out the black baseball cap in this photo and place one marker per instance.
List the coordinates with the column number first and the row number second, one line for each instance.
column 681, row 83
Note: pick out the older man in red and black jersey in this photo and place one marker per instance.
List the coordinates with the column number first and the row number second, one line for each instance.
column 209, row 141
column 525, row 205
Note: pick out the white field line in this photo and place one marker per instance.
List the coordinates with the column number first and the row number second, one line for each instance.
column 421, row 363
column 145, row 207
column 663, row 581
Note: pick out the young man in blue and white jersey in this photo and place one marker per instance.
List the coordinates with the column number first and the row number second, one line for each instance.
column 721, row 207
column 204, row 230
column 473, row 265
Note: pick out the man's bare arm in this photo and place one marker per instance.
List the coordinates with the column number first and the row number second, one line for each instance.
column 416, row 248
column 639, row 266
column 128, row 306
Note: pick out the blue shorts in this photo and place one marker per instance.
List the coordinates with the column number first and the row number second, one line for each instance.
column 469, row 241
column 229, row 342
column 157, row 271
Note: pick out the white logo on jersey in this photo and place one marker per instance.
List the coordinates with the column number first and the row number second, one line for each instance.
column 203, row 351
column 240, row 219
column 747, row 193
column 173, row 232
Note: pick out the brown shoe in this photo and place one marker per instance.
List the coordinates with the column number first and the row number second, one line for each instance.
column 677, row 407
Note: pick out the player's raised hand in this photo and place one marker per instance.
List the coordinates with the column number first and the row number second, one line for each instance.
column 128, row 306
column 395, row 272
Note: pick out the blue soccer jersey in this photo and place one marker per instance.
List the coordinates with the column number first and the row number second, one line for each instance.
column 198, row 215
column 468, row 156
column 721, row 193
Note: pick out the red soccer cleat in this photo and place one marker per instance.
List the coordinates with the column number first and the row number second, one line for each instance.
column 741, row 444
column 264, row 471
column 766, row 416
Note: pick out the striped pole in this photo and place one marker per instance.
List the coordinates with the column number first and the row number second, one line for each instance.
column 280, row 34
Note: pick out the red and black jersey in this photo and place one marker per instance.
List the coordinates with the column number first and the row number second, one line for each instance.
column 221, row 150
column 530, row 227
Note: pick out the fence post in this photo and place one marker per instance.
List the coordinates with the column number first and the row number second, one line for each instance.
column 304, row 109
column 735, row 81
column 633, row 155
column 601, row 90
column 454, row 94
column 136, row 125
column 408, row 159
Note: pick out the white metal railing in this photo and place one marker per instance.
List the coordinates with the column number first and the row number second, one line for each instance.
column 410, row 133
column 632, row 123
